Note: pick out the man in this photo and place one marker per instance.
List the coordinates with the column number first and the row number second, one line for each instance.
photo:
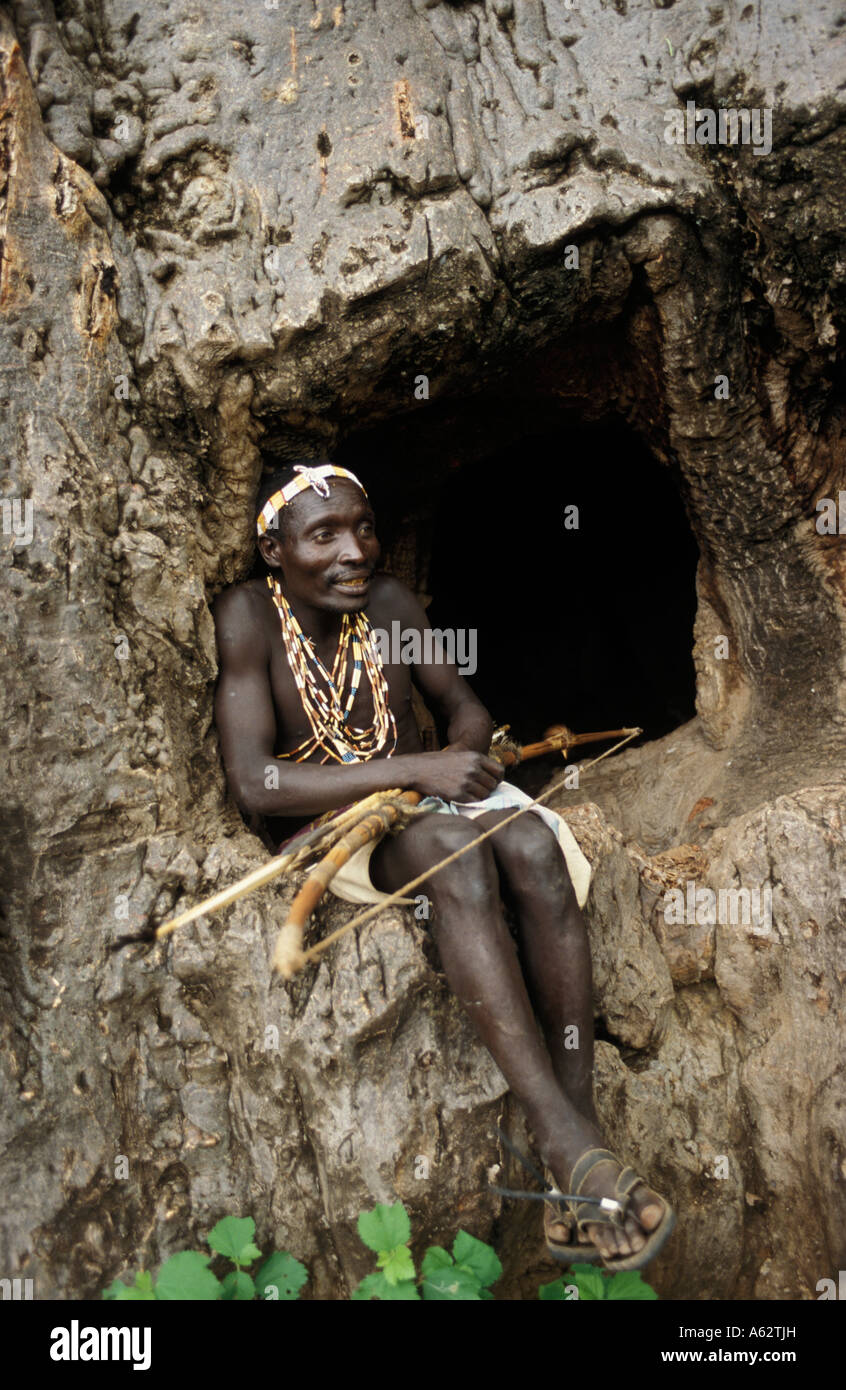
column 303, row 687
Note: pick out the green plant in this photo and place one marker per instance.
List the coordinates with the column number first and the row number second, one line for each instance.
column 464, row 1276
column 187, row 1276
column 590, row 1284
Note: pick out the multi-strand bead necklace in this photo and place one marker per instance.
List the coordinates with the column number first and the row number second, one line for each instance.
column 322, row 692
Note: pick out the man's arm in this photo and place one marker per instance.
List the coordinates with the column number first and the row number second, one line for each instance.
column 246, row 722
column 468, row 723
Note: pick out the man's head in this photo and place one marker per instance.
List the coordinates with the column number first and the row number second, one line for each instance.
column 323, row 548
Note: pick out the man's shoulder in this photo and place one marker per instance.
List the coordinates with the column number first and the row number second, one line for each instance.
column 390, row 598
column 249, row 596
column 241, row 610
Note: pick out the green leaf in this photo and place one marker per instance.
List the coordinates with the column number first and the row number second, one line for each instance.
column 477, row 1257
column 451, row 1286
column 139, row 1292
column 384, row 1228
column 371, row 1286
column 131, row 1293
column 396, row 1265
column 238, row 1287
column 377, row 1286
column 185, row 1277
column 588, row 1281
column 436, row 1258
column 405, row 1292
column 281, row 1277
column 629, row 1284
column 233, row 1237
column 557, row 1292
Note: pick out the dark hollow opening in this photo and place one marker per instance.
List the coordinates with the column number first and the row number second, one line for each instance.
column 591, row 626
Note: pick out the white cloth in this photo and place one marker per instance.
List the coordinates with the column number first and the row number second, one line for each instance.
column 352, row 882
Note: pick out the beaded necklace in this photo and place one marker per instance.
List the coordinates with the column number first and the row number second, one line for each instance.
column 325, row 708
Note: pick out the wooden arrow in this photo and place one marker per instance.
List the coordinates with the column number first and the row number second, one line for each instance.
column 288, row 955
column 367, row 820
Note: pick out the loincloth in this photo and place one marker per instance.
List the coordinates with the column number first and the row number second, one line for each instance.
column 352, row 883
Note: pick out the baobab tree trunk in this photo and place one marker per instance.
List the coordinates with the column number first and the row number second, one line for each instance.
column 231, row 238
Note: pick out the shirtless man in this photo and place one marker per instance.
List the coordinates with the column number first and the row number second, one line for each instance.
column 320, row 547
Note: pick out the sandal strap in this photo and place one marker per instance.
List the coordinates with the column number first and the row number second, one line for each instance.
column 555, row 1203
column 585, row 1165
column 626, row 1183
column 589, row 1214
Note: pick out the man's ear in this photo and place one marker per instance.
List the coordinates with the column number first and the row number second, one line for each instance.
column 271, row 549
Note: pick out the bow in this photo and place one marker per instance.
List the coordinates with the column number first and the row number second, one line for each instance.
column 344, row 832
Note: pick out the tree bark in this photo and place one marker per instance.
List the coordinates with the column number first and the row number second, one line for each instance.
column 228, row 239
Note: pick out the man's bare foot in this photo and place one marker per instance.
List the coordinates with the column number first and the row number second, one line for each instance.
column 646, row 1210
column 559, row 1226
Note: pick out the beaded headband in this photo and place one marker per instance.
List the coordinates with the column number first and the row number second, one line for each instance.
column 309, row 477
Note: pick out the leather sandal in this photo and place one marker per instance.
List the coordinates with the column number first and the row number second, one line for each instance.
column 580, row 1252
column 612, row 1211
column 576, row 1252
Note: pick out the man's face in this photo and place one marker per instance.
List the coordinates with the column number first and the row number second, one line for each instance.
column 327, row 549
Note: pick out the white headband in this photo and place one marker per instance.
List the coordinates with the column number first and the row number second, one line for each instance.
column 309, row 477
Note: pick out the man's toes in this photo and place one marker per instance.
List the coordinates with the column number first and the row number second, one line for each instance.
column 599, row 1237
column 624, row 1246
column 648, row 1208
column 594, row 1236
column 558, row 1226
column 608, row 1241
column 635, row 1235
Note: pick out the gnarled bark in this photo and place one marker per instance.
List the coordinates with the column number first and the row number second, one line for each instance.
column 235, row 238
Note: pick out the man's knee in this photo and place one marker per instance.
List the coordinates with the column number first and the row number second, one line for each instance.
column 434, row 837
column 532, row 855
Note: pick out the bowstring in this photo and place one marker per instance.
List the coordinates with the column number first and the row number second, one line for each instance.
column 320, row 946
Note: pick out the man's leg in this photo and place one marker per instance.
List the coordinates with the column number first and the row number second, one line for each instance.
column 554, row 947
column 481, row 965
column 555, row 954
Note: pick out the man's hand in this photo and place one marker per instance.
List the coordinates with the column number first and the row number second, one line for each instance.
column 457, row 774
